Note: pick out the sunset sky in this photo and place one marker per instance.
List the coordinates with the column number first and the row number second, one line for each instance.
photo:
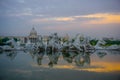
column 95, row 18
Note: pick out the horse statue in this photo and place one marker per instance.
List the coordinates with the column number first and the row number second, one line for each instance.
column 100, row 44
column 54, row 42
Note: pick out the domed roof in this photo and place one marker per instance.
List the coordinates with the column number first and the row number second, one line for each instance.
column 33, row 32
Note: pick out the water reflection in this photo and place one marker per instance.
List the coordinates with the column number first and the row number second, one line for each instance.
column 75, row 59
column 53, row 58
column 11, row 55
column 40, row 57
column 101, row 53
column 80, row 58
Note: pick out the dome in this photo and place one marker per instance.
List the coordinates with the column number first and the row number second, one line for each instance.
column 33, row 32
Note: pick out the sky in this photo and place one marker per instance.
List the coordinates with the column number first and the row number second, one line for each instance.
column 95, row 18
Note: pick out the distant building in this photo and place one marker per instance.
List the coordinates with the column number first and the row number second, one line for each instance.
column 66, row 37
column 33, row 37
column 45, row 38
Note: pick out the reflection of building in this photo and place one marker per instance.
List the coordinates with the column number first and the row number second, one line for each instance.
column 33, row 37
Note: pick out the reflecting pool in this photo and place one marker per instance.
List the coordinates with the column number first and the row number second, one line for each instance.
column 74, row 65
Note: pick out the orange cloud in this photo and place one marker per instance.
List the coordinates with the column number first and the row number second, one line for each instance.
column 98, row 18
column 54, row 19
column 64, row 19
column 103, row 18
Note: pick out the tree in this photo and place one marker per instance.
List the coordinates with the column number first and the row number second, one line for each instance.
column 15, row 39
column 5, row 39
column 0, row 40
column 93, row 42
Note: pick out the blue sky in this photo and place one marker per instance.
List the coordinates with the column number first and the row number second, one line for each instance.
column 97, row 18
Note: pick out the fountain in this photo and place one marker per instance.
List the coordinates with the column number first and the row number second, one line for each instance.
column 29, row 45
column 77, row 42
column 100, row 44
column 13, row 45
column 54, row 42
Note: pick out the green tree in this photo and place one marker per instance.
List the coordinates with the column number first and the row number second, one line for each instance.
column 5, row 39
column 93, row 42
column 112, row 42
column 0, row 40
column 15, row 39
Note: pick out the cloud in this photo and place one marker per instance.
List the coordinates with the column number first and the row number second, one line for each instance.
column 21, row 14
column 39, row 15
column 53, row 19
column 25, row 12
column 98, row 18
column 21, row 1
column 64, row 19
column 103, row 18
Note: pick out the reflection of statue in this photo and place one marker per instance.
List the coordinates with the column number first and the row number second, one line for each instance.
column 68, row 56
column 32, row 53
column 53, row 57
column 114, row 51
column 101, row 53
column 50, row 64
column 11, row 54
column 82, row 59
column 39, row 58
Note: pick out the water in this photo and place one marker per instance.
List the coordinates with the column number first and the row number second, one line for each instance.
column 29, row 65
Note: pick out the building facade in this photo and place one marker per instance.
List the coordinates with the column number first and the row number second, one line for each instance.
column 33, row 37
